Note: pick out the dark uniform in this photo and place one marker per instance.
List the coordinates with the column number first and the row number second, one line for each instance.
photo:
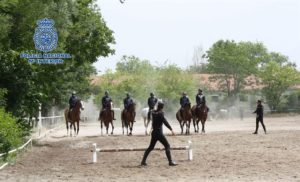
column 127, row 101
column 183, row 101
column 259, row 116
column 152, row 100
column 157, row 135
column 72, row 101
column 106, row 100
column 200, row 99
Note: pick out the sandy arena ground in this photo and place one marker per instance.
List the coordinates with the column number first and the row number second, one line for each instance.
column 227, row 152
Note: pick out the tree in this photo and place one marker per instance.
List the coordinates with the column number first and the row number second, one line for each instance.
column 82, row 33
column 139, row 78
column 232, row 62
column 277, row 77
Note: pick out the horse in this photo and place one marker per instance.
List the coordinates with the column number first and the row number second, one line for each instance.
column 199, row 114
column 186, row 118
column 144, row 114
column 106, row 116
column 73, row 117
column 127, row 118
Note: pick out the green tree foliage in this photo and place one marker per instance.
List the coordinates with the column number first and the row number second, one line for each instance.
column 232, row 62
column 277, row 77
column 139, row 78
column 10, row 134
column 82, row 32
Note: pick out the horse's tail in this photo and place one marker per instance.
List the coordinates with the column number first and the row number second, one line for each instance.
column 177, row 116
column 66, row 114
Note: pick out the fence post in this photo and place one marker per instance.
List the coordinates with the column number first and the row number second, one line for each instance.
column 40, row 119
column 190, row 151
column 95, row 150
column 53, row 119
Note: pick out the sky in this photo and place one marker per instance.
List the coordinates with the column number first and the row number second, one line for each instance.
column 170, row 30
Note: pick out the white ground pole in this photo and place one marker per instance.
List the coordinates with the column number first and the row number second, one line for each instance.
column 95, row 150
column 190, row 150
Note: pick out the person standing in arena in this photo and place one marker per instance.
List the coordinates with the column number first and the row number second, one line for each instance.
column 259, row 116
column 157, row 134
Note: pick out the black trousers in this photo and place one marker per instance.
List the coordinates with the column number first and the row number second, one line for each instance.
column 158, row 136
column 261, row 120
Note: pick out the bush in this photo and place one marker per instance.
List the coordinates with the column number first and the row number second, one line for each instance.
column 10, row 133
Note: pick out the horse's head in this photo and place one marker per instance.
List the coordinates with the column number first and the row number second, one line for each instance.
column 131, row 106
column 187, row 106
column 79, row 105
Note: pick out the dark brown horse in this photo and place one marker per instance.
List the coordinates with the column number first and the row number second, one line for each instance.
column 106, row 117
column 128, row 117
column 185, row 119
column 73, row 117
column 199, row 114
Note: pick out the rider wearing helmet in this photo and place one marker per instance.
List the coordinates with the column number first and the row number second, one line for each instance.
column 200, row 98
column 106, row 101
column 152, row 100
column 127, row 101
column 157, row 134
column 72, row 100
column 183, row 101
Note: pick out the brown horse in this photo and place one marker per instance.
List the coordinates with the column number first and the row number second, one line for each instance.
column 128, row 117
column 199, row 114
column 73, row 117
column 106, row 116
column 185, row 119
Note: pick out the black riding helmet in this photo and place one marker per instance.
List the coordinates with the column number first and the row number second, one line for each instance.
column 152, row 94
column 106, row 92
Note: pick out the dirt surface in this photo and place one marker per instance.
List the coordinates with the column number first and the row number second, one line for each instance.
column 227, row 152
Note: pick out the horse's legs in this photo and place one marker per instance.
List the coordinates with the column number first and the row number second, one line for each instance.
column 203, row 125
column 107, row 127
column 101, row 125
column 71, row 128
column 130, row 127
column 187, row 127
column 194, row 125
column 74, row 125
column 77, row 127
column 181, row 126
column 112, row 128
column 123, row 126
column 67, row 128
column 197, row 123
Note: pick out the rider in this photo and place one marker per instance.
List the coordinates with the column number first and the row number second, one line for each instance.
column 72, row 100
column 183, row 101
column 200, row 99
column 106, row 100
column 152, row 100
column 127, row 101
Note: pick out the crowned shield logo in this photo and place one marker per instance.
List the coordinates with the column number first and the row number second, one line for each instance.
column 45, row 37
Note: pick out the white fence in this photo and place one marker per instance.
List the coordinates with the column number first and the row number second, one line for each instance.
column 44, row 126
